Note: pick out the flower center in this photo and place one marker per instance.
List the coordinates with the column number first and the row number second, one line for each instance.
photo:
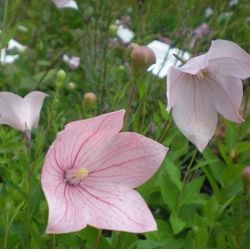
column 76, row 175
column 201, row 74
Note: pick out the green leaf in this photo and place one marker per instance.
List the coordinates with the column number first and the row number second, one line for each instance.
column 191, row 192
column 242, row 147
column 216, row 166
column 169, row 191
column 174, row 173
column 177, row 224
column 147, row 244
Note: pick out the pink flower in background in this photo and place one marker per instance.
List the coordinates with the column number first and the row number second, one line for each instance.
column 90, row 172
column 205, row 85
column 201, row 31
column 21, row 113
column 73, row 62
column 65, row 4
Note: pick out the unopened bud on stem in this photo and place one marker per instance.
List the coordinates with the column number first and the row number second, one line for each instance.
column 60, row 78
column 141, row 58
column 89, row 99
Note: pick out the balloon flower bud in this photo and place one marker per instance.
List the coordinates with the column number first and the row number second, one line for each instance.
column 245, row 176
column 113, row 29
column 141, row 58
column 89, row 99
column 130, row 48
column 71, row 85
column 60, row 78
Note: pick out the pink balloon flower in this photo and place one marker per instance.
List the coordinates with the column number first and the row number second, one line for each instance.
column 205, row 85
column 90, row 172
column 21, row 113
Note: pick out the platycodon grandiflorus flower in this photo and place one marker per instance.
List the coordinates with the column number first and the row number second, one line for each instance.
column 21, row 113
column 90, row 172
column 206, row 85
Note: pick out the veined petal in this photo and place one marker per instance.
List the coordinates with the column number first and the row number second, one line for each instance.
column 195, row 64
column 67, row 212
column 80, row 138
column 114, row 207
column 228, row 58
column 227, row 93
column 33, row 105
column 194, row 112
column 174, row 83
column 12, row 110
column 128, row 159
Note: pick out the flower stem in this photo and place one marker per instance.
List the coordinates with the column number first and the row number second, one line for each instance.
column 164, row 131
column 130, row 101
column 98, row 238
column 189, row 166
column 178, row 58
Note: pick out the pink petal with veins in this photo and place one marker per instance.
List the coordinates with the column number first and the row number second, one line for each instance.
column 81, row 138
column 127, row 159
column 227, row 93
column 228, row 58
column 174, row 83
column 67, row 212
column 116, row 207
column 194, row 112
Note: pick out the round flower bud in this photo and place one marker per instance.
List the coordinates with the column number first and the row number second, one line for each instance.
column 113, row 29
column 60, row 78
column 195, row 229
column 245, row 176
column 130, row 48
column 141, row 58
column 71, row 85
column 89, row 98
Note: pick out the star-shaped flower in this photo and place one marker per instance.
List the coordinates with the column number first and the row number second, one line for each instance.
column 90, row 172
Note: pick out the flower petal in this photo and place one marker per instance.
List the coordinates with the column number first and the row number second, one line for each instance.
column 12, row 111
column 80, row 138
column 174, row 82
column 114, row 207
column 128, row 159
column 67, row 212
column 227, row 93
column 228, row 58
column 194, row 112
column 195, row 64
column 66, row 209
column 33, row 102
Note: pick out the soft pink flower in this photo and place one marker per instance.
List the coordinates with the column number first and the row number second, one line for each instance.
column 73, row 62
column 21, row 113
column 90, row 172
column 205, row 85
column 201, row 31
